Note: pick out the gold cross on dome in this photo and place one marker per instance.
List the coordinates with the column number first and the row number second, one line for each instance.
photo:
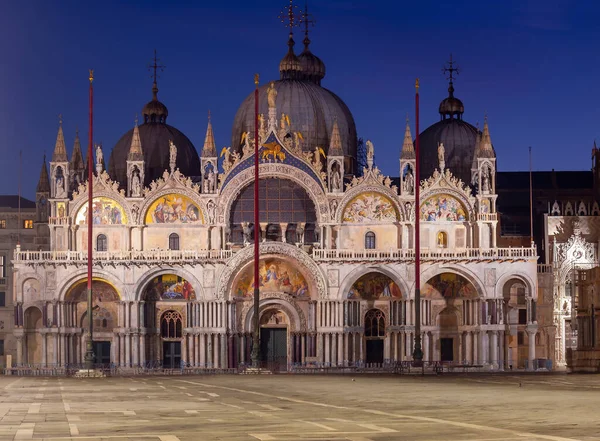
column 290, row 16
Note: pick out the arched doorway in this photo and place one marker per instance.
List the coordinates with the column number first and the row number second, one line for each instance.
column 105, row 310
column 374, row 335
column 163, row 294
column 171, row 332
column 273, row 339
column 514, row 294
column 444, row 337
column 33, row 338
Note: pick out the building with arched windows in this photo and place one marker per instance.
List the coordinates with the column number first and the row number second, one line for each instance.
column 173, row 262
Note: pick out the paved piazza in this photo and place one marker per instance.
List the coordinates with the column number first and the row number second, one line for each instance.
column 281, row 407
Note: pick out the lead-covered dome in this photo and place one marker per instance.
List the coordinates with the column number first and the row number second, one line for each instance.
column 155, row 135
column 458, row 136
column 312, row 109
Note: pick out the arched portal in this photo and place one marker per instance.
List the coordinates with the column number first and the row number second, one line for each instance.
column 449, row 302
column 33, row 337
column 105, row 313
column 375, row 335
column 274, row 324
column 162, row 297
column 514, row 294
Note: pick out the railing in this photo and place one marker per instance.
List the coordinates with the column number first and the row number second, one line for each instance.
column 59, row 221
column 487, row 216
column 123, row 256
column 409, row 254
column 544, row 268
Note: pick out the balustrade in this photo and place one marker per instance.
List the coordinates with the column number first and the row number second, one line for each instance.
column 123, row 256
column 426, row 254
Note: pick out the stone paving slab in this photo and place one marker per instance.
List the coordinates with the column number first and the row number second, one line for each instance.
column 303, row 408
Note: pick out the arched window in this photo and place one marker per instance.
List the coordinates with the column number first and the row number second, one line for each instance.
column 101, row 243
column 442, row 239
column 174, row 241
column 171, row 325
column 370, row 241
column 375, row 323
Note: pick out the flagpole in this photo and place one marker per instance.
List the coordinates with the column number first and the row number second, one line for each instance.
column 417, row 352
column 89, row 354
column 530, row 199
column 256, row 336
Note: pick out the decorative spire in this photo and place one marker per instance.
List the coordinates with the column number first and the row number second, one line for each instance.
column 77, row 163
column 209, row 150
column 335, row 145
column 154, row 67
column 44, row 181
column 60, row 150
column 408, row 149
column 486, row 148
column 135, row 150
column 289, row 67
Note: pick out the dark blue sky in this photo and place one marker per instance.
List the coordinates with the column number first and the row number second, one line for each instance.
column 531, row 65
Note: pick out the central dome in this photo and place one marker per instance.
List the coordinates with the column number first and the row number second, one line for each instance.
column 312, row 109
column 155, row 135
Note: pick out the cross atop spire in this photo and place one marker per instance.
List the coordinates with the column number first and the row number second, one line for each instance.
column 290, row 16
column 451, row 69
column 308, row 20
column 154, row 67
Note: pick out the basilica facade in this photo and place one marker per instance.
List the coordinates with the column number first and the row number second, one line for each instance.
column 172, row 234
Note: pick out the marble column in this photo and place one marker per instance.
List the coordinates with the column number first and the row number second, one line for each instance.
column 531, row 334
column 44, row 350
column 494, row 348
column 19, row 349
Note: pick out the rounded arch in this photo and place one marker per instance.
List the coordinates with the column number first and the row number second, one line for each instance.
column 32, row 318
column 31, row 288
column 177, row 200
column 531, row 291
column 361, row 271
column 101, row 289
column 464, row 201
column 147, row 277
column 315, row 191
column 99, row 274
column 294, row 314
column 311, row 270
column 80, row 206
column 359, row 190
column 435, row 270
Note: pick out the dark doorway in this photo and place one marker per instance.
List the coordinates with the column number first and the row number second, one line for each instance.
column 447, row 349
column 273, row 348
column 171, row 354
column 102, row 352
column 375, row 351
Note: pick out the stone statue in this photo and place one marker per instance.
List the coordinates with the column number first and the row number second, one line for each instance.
column 227, row 233
column 409, row 182
column 247, row 232
column 333, row 207
column 317, row 232
column 441, row 153
column 271, row 95
column 226, row 155
column 211, row 207
column 485, row 180
column 136, row 186
column 172, row 155
column 262, row 130
column 61, row 192
column 135, row 210
column 336, row 180
column 99, row 154
column 370, row 153
column 299, row 232
column 319, row 152
column 212, row 181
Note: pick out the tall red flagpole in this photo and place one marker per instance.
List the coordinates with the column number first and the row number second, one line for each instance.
column 417, row 351
column 256, row 337
column 89, row 354
column 530, row 200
